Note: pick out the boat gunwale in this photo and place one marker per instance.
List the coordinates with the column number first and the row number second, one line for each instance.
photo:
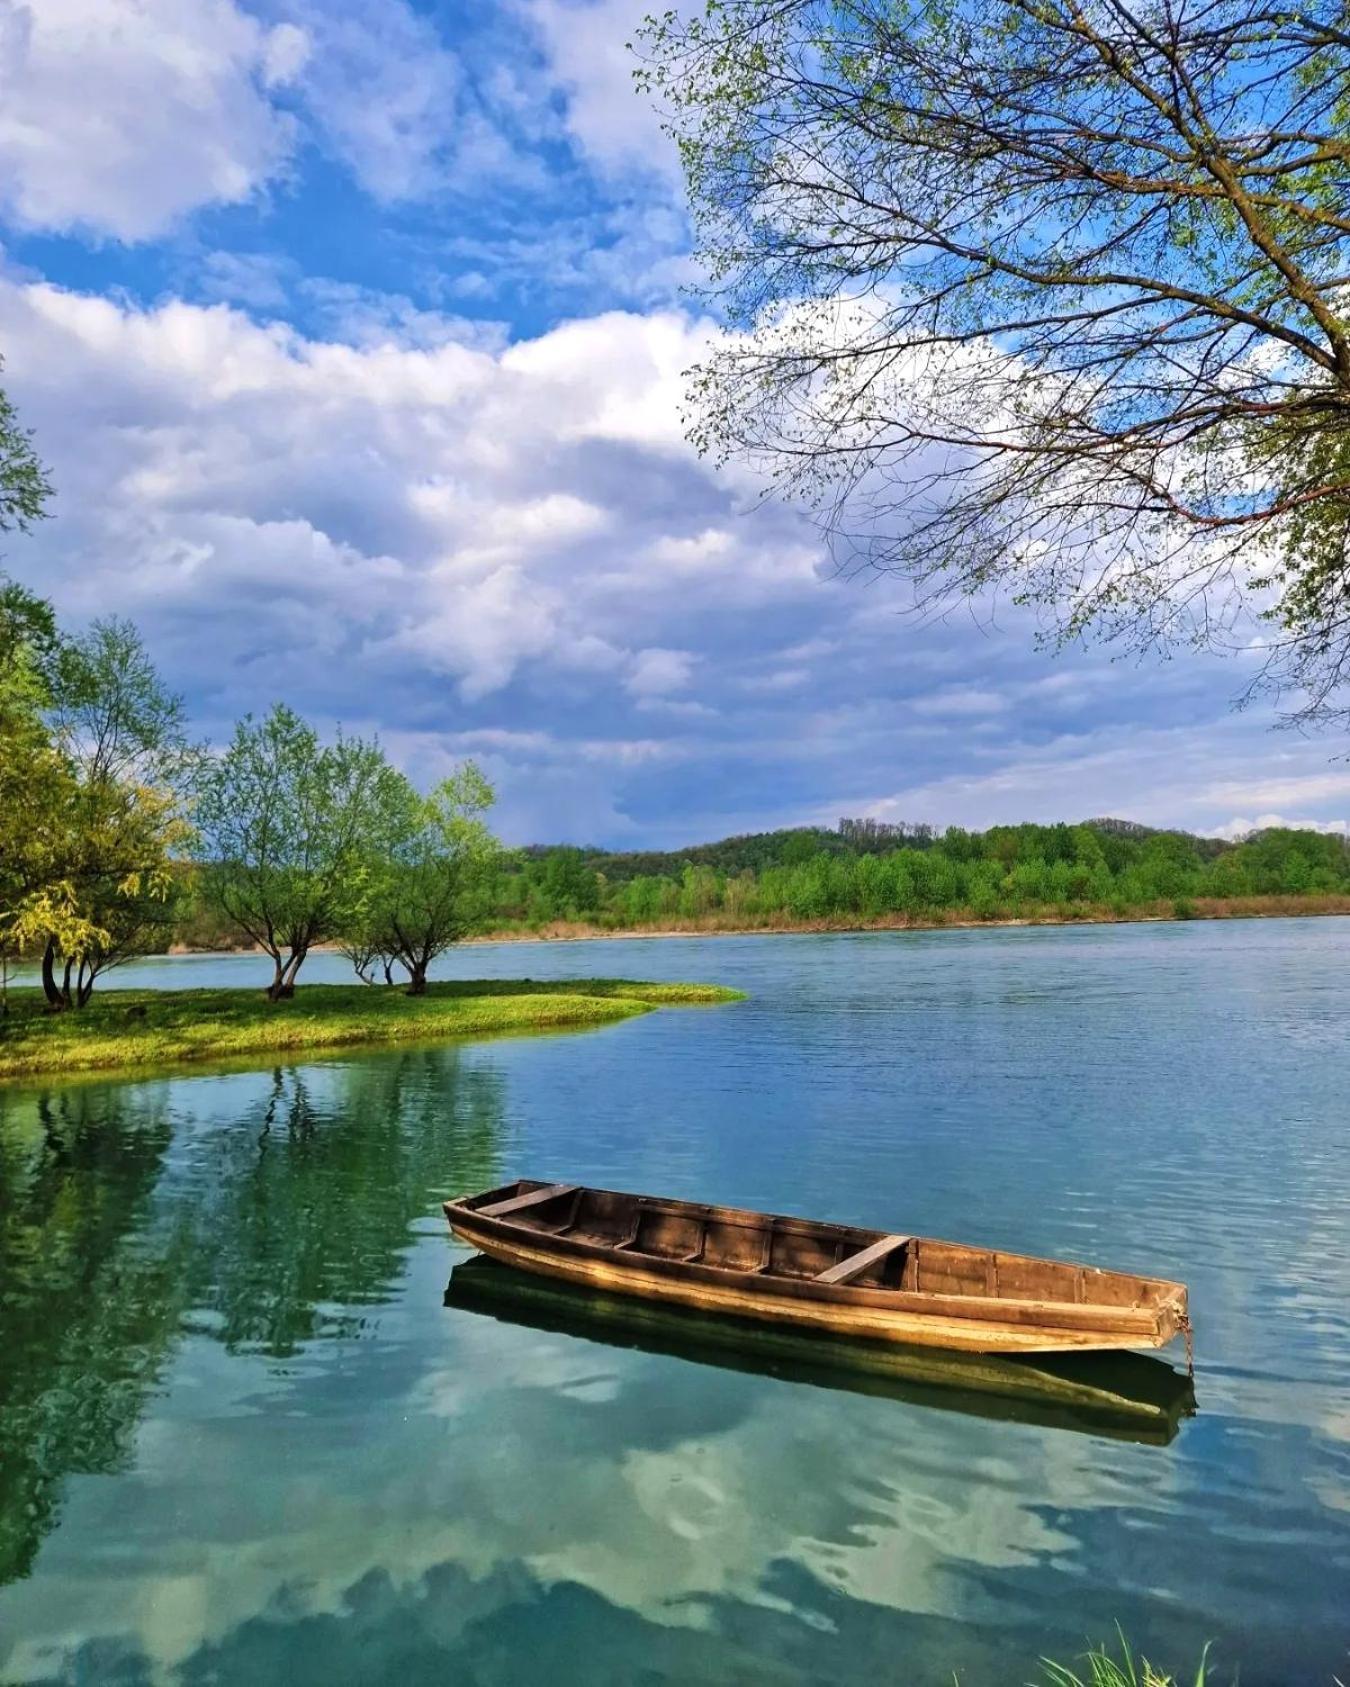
column 1148, row 1321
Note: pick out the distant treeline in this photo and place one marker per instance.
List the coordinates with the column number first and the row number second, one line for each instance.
column 865, row 870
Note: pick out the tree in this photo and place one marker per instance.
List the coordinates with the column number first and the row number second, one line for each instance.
column 24, row 486
column 436, row 883
column 567, row 887
column 92, row 754
column 28, row 623
column 288, row 829
column 1040, row 296
column 38, row 795
column 37, row 798
column 123, row 734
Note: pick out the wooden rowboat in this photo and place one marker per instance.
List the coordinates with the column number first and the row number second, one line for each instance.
column 1121, row 1396
column 864, row 1284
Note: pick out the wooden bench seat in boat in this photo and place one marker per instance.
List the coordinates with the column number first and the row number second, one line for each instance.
column 856, row 1264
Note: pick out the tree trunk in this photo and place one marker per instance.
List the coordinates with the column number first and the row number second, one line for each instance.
column 84, row 984
column 65, row 983
column 55, row 1003
column 283, row 985
column 417, row 980
column 389, row 972
column 278, row 974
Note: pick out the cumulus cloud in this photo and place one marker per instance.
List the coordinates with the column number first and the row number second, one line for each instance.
column 437, row 534
column 119, row 116
column 390, row 530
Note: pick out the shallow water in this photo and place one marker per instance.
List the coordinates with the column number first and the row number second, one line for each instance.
column 242, row 1439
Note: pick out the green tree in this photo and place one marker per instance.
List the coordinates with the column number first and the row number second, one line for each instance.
column 123, row 734
column 1038, row 295
column 287, row 829
column 28, row 623
column 24, row 486
column 436, row 880
column 38, row 799
column 568, row 887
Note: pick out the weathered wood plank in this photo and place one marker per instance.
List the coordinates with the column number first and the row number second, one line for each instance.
column 536, row 1198
column 856, row 1264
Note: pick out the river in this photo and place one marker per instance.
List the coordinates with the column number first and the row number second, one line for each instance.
column 243, row 1439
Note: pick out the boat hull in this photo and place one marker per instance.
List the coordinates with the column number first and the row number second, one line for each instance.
column 994, row 1327
column 1127, row 1396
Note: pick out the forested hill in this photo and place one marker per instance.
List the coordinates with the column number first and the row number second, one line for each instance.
column 863, row 872
column 752, row 852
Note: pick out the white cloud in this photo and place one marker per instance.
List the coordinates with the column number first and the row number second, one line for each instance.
column 1281, row 782
column 364, row 316
column 781, row 679
column 1240, row 825
column 121, row 117
column 261, row 281
column 656, row 672
column 1174, row 775
column 385, row 96
column 433, row 535
column 471, row 513
column 587, row 46
column 117, row 117
column 960, row 700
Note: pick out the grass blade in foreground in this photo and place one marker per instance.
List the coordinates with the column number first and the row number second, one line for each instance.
column 1104, row 1669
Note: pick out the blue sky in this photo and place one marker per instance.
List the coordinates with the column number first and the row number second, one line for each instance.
column 354, row 334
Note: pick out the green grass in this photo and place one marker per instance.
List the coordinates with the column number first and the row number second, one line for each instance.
column 137, row 1028
column 1103, row 1668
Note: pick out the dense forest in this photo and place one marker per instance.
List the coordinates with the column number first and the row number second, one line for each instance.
column 865, row 871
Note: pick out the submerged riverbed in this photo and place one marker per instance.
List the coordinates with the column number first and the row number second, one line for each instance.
column 242, row 1439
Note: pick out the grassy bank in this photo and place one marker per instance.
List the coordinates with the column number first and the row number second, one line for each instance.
column 722, row 923
column 138, row 1028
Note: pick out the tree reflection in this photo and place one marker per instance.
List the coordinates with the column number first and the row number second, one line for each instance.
column 312, row 1194
column 273, row 1227
column 87, row 1309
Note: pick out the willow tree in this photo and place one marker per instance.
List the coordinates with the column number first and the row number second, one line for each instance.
column 434, row 884
column 1042, row 296
column 288, row 828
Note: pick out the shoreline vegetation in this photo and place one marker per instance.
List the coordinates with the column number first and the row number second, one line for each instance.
column 868, row 876
column 721, row 924
column 937, row 919
column 136, row 1029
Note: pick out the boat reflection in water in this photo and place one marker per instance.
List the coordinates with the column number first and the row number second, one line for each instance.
column 1126, row 1396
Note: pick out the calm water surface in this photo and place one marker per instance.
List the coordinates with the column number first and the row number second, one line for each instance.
column 242, row 1440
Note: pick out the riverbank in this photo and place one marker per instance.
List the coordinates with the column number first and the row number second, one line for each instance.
column 129, row 1029
column 723, row 924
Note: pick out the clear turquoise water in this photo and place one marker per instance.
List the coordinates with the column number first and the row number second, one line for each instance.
column 243, row 1441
